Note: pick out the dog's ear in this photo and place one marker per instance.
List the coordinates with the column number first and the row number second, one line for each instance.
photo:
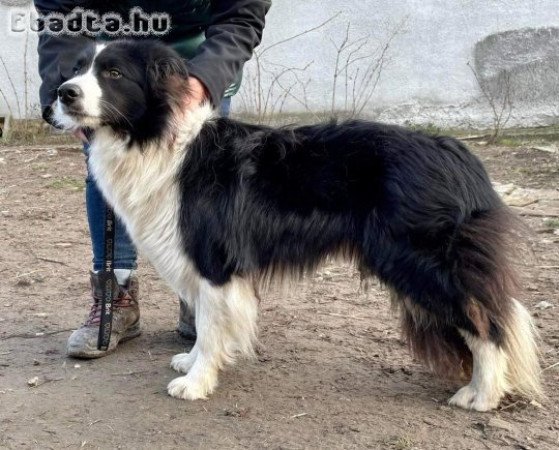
column 167, row 77
column 165, row 67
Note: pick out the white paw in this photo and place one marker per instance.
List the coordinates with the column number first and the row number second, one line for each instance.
column 191, row 387
column 183, row 362
column 470, row 397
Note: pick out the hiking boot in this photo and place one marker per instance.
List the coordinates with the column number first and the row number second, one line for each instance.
column 82, row 343
column 186, row 326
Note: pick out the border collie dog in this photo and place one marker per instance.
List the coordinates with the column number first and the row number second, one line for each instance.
column 219, row 207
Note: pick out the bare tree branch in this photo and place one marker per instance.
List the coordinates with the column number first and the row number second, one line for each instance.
column 265, row 99
column 357, row 68
column 500, row 101
column 14, row 90
column 302, row 33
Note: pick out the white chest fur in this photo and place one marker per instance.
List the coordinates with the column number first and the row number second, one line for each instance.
column 141, row 186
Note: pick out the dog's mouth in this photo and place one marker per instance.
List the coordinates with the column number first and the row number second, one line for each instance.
column 76, row 113
column 71, row 117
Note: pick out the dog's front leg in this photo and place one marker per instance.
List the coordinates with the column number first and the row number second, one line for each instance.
column 205, row 358
column 226, row 327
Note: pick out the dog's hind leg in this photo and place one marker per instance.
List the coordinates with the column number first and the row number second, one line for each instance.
column 508, row 366
column 503, row 338
column 498, row 349
column 226, row 327
column 452, row 351
column 458, row 312
column 489, row 381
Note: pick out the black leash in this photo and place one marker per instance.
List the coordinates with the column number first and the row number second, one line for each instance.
column 108, row 282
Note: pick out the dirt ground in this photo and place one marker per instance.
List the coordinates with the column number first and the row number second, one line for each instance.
column 332, row 371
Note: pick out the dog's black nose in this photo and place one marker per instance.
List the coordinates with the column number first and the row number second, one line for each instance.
column 69, row 93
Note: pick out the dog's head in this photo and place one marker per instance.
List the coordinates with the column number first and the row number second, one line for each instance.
column 131, row 86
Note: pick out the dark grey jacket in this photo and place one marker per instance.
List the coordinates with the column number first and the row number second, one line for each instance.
column 233, row 28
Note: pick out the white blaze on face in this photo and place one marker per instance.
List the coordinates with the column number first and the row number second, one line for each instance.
column 91, row 101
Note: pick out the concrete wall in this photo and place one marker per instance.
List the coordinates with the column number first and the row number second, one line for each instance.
column 425, row 75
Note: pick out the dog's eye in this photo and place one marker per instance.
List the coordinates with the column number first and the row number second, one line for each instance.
column 113, row 73
column 76, row 70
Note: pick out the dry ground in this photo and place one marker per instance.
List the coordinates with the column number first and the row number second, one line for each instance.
column 332, row 371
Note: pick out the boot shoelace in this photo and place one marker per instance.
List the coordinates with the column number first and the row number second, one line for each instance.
column 124, row 300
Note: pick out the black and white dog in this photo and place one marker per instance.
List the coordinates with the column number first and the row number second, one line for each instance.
column 218, row 206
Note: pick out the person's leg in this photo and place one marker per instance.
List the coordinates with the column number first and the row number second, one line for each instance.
column 126, row 314
column 225, row 107
column 124, row 251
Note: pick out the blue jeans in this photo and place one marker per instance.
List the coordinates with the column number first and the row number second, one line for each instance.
column 125, row 253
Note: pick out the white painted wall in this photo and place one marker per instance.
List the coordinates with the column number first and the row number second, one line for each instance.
column 21, row 91
column 427, row 79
